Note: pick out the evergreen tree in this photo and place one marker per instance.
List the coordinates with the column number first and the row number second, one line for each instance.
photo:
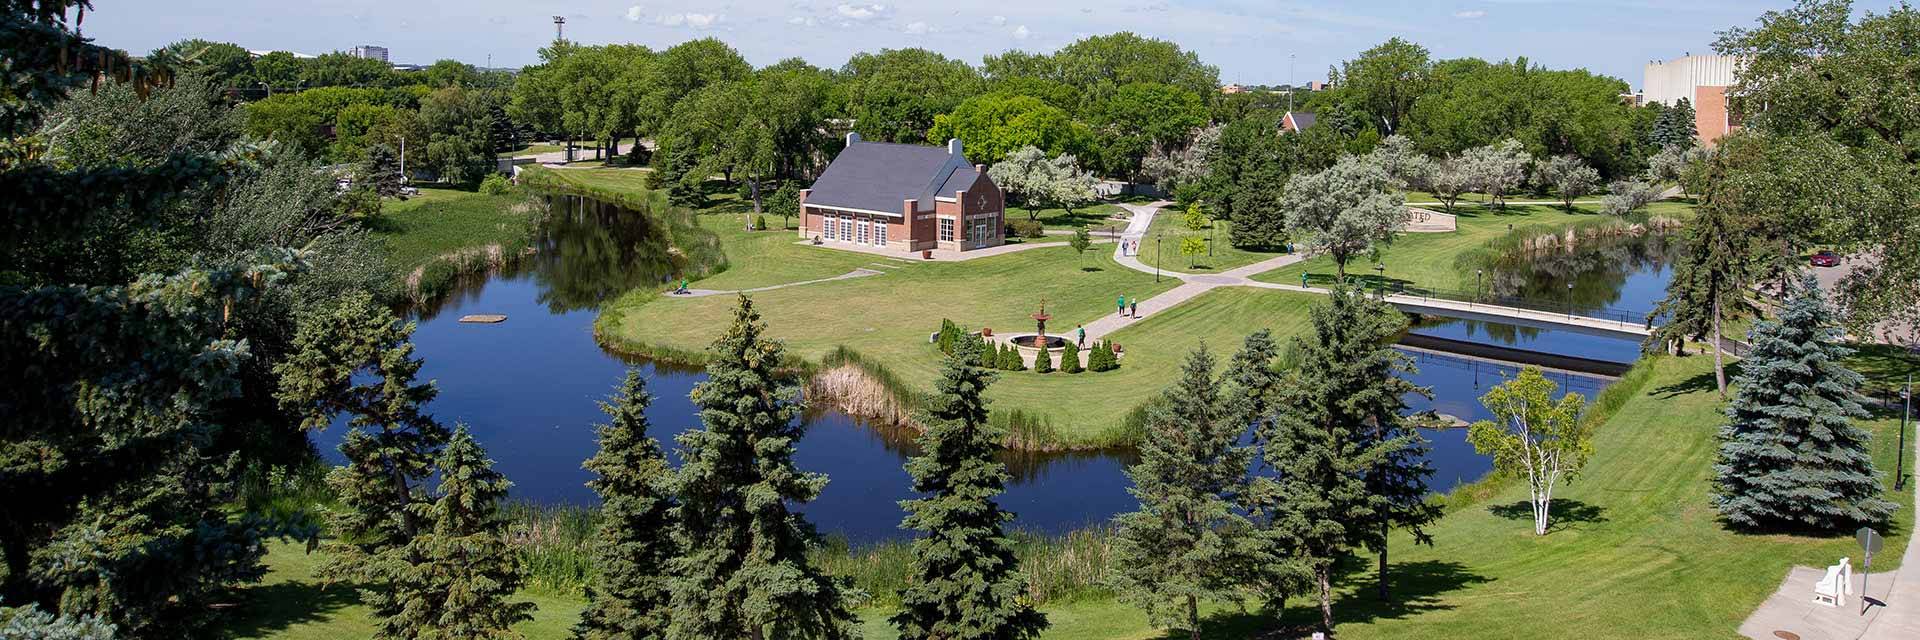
column 1709, row 285
column 1043, row 360
column 1070, row 358
column 1011, row 360
column 1186, row 541
column 745, row 572
column 1790, row 454
column 389, row 450
column 381, row 171
column 635, row 540
column 463, row 570
column 1675, row 126
column 1331, row 457
column 965, row 582
column 1251, row 383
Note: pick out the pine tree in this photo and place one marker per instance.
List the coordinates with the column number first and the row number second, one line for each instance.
column 1675, row 126
column 1186, row 541
column 389, row 450
column 1790, row 454
column 381, row 171
column 965, row 582
column 1070, row 358
column 1329, row 455
column 463, row 571
column 1010, row 359
column 1709, row 285
column 635, row 540
column 745, row 572
column 1043, row 359
column 1251, row 383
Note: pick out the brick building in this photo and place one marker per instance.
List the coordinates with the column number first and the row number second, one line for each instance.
column 1295, row 121
column 904, row 198
column 1703, row 81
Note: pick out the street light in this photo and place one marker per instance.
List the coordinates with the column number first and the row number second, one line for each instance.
column 1380, row 274
column 1476, row 287
column 1156, row 256
column 1569, row 301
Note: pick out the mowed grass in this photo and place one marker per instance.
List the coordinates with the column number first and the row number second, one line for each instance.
column 887, row 319
column 778, row 256
column 1636, row 551
column 440, row 221
column 1168, row 228
column 1099, row 215
column 1428, row 259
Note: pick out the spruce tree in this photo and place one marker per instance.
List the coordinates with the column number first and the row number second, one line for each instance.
column 1251, row 383
column 635, row 541
column 744, row 571
column 1340, row 479
column 1709, row 284
column 463, row 572
column 1790, row 454
column 1043, row 360
column 1070, row 358
column 1187, row 540
column 965, row 582
column 389, row 450
column 381, row 171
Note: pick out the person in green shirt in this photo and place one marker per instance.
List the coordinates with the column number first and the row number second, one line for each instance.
column 1121, row 304
column 1081, row 330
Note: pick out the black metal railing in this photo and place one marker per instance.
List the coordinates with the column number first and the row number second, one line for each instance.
column 1569, row 308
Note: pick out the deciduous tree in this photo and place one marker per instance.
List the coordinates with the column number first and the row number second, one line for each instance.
column 997, row 124
column 1040, row 182
column 1346, row 210
column 1497, row 168
column 1534, row 437
column 1570, row 178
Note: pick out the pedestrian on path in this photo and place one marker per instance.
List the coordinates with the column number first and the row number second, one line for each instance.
column 1082, row 331
column 1121, row 303
column 1136, row 307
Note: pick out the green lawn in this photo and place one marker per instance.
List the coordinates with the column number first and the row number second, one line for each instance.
column 1481, row 198
column 887, row 318
column 1169, row 229
column 1428, row 259
column 1097, row 215
column 1636, row 551
column 440, row 221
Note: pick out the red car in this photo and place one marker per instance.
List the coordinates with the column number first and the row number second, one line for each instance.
column 1826, row 259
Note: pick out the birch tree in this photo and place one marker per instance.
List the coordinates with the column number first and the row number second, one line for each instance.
column 1534, row 437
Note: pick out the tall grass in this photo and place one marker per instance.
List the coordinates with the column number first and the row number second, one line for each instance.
column 555, row 544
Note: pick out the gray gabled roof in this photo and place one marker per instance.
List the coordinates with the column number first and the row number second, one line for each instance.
column 1302, row 120
column 882, row 176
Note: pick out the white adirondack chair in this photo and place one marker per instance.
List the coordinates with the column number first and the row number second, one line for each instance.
column 1832, row 589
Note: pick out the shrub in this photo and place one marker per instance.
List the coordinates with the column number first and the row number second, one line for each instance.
column 760, row 222
column 949, row 337
column 1010, row 359
column 1026, row 228
column 1070, row 358
column 1102, row 358
column 1043, row 361
column 1627, row 197
column 494, row 184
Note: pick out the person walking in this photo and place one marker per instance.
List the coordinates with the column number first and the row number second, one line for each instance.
column 1136, row 307
column 1081, row 331
column 1121, row 303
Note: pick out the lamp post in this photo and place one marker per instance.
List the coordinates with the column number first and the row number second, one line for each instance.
column 1569, row 301
column 1156, row 256
column 1476, row 287
column 1906, row 415
column 1380, row 274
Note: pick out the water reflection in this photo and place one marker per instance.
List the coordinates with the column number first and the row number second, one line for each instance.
column 1624, row 275
column 529, row 389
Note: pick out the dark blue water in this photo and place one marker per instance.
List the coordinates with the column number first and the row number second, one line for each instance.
column 529, row 389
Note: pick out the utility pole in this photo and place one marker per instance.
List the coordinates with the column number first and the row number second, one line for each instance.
column 559, row 28
column 403, row 159
column 1906, row 416
column 1291, row 87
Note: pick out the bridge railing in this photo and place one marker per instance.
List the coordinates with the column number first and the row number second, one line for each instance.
column 1568, row 308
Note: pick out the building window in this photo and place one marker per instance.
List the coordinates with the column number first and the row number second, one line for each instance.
column 862, row 231
column 827, row 225
column 846, row 229
column 946, row 230
column 880, row 233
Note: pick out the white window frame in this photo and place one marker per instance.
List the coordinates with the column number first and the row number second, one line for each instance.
column 946, row 229
column 879, row 234
column 827, row 226
column 846, row 229
column 860, row 232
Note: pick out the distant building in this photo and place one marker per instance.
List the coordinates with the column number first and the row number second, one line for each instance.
column 1703, row 81
column 1316, row 85
column 372, row 52
column 1296, row 121
column 903, row 197
column 261, row 52
column 1232, row 89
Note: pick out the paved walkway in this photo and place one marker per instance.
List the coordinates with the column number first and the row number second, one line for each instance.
column 702, row 293
column 1895, row 595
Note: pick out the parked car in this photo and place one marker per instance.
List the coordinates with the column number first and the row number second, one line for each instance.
column 1825, row 259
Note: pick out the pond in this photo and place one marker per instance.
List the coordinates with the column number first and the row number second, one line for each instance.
column 529, row 389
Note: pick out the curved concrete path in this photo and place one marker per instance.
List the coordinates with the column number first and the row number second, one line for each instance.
column 702, row 293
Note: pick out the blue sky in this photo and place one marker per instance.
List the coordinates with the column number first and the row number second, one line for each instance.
column 1249, row 41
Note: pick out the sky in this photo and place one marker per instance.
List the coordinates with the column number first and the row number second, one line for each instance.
column 1252, row 42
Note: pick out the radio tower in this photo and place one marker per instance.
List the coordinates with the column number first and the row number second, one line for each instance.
column 559, row 27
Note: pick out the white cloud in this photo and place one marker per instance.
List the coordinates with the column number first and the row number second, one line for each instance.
column 1021, row 32
column 691, row 20
column 1469, row 15
column 917, row 28
column 633, row 13
column 860, row 11
column 803, row 21
column 999, row 20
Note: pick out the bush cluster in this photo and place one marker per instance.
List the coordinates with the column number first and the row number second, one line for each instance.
column 1026, row 228
column 1102, row 358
